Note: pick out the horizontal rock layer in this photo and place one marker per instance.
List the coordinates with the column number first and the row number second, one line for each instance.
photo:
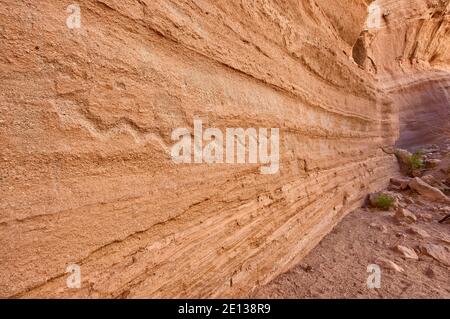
column 86, row 122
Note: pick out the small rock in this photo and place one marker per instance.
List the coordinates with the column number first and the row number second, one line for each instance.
column 394, row 188
column 429, row 272
column 445, row 209
column 404, row 215
column 432, row 163
column 402, row 183
column 306, row 267
column 381, row 228
column 400, row 235
column 407, row 252
column 418, row 231
column 409, row 200
column 416, row 172
column 386, row 263
column 431, row 148
column 445, row 220
column 438, row 252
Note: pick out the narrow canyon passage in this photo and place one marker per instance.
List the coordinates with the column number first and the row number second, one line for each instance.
column 409, row 55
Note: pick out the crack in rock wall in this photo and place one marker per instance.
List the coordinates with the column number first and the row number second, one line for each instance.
column 85, row 128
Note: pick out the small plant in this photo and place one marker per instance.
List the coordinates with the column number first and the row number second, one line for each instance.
column 384, row 202
column 415, row 161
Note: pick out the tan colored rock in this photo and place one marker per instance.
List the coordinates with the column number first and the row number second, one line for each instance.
column 87, row 135
column 407, row 252
column 402, row 183
column 379, row 227
column 416, row 74
column 444, row 237
column 403, row 156
column 419, row 232
column 432, row 163
column 431, row 180
column 428, row 191
column 87, row 122
column 388, row 264
column 438, row 252
column 404, row 215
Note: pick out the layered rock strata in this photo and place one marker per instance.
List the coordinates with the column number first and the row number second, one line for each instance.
column 408, row 49
column 86, row 121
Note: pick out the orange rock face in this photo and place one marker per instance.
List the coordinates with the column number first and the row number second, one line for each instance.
column 410, row 56
column 86, row 121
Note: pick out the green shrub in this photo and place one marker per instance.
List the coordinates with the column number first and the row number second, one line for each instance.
column 384, row 202
column 415, row 161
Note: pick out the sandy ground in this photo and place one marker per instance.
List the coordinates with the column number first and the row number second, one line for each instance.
column 337, row 267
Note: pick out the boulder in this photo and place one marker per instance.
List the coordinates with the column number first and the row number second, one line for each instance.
column 428, row 191
column 437, row 252
column 403, row 156
column 431, row 180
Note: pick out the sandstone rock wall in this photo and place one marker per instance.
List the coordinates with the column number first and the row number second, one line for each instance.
column 86, row 122
column 410, row 55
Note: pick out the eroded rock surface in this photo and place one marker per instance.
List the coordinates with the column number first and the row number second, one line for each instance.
column 413, row 260
column 408, row 49
column 86, row 122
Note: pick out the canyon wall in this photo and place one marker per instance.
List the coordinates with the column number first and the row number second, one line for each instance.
column 85, row 128
column 409, row 53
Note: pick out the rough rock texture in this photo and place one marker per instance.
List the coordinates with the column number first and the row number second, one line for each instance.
column 85, row 123
column 409, row 53
column 427, row 190
column 338, row 266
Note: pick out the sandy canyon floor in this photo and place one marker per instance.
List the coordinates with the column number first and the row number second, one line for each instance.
column 337, row 267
